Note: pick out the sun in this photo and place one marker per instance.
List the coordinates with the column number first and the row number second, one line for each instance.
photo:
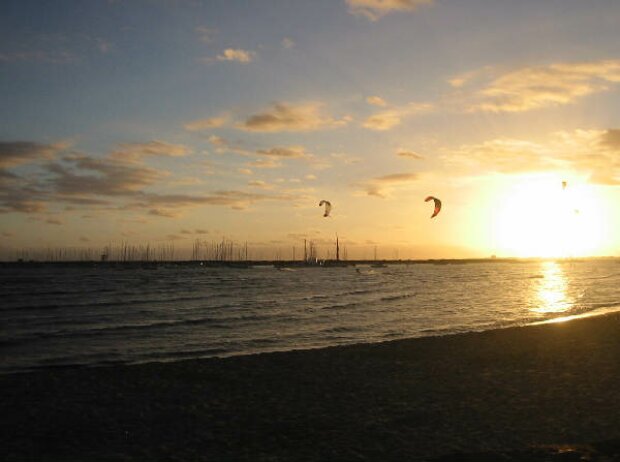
column 549, row 216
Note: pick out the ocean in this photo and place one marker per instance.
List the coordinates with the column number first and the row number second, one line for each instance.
column 55, row 315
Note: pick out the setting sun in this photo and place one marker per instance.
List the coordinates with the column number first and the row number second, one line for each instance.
column 540, row 216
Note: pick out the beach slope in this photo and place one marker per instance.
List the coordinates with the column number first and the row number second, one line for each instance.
column 542, row 392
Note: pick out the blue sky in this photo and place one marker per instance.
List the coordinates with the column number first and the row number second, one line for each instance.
column 143, row 121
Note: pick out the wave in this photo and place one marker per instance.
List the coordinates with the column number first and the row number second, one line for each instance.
column 391, row 298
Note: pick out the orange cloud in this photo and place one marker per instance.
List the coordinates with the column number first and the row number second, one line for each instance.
column 381, row 186
column 236, row 54
column 206, row 124
column 375, row 9
column 534, row 87
column 291, row 117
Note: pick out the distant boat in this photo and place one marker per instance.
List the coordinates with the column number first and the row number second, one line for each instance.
column 336, row 264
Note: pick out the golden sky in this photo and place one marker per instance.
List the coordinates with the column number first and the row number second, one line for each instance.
column 162, row 121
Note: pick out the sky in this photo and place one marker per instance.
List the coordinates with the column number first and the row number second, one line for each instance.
column 170, row 121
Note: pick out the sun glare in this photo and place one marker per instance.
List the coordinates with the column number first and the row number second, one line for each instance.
column 545, row 217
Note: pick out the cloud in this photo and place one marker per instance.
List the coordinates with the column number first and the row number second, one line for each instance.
column 260, row 184
column 505, row 155
column 383, row 121
column 611, row 138
column 390, row 118
column 206, row 124
column 237, row 55
column 21, row 152
column 409, row 154
column 222, row 145
column 103, row 45
column 164, row 204
column 583, row 151
column 292, row 152
column 47, row 57
column 113, row 183
column 86, row 176
column 376, row 101
column 137, row 151
column 375, row 9
column 345, row 158
column 205, row 34
column 217, row 141
column 287, row 43
column 165, row 213
column 381, row 186
column 265, row 163
column 291, row 117
column 534, row 87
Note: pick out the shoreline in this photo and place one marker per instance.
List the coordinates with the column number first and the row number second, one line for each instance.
column 599, row 312
column 509, row 389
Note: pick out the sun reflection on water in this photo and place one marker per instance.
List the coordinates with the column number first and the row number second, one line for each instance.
column 551, row 295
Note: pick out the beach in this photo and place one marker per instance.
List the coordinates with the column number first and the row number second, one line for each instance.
column 545, row 392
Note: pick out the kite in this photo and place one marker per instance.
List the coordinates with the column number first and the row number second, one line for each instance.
column 564, row 184
column 328, row 207
column 437, row 205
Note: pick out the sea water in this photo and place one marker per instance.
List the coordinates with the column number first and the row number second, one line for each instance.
column 60, row 315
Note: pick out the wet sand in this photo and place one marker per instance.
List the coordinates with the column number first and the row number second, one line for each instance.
column 548, row 392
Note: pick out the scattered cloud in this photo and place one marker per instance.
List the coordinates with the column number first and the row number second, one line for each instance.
column 346, row 159
column 505, row 155
column 237, row 55
column 375, row 9
column 164, row 213
column 265, row 163
column 222, row 145
column 206, row 34
column 217, row 140
column 584, row 151
column 381, row 186
column 533, row 87
column 376, row 101
column 207, row 124
column 22, row 152
column 291, row 117
column 287, row 43
column 165, row 204
column 47, row 57
column 390, row 118
column 103, row 45
column 81, row 175
column 611, row 139
column 137, row 151
column 292, row 152
column 260, row 184
column 409, row 154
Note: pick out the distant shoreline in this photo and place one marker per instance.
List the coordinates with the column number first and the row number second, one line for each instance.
column 299, row 263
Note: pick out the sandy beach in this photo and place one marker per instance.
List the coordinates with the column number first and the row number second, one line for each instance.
column 547, row 392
